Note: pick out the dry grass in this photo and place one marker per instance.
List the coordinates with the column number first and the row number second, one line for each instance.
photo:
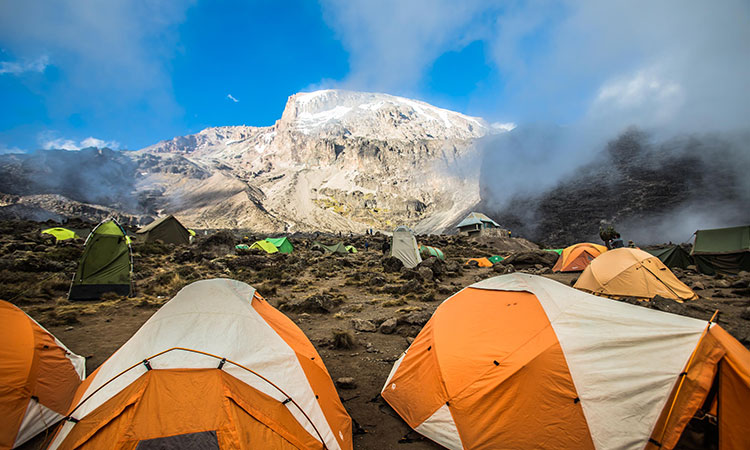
column 343, row 340
column 394, row 302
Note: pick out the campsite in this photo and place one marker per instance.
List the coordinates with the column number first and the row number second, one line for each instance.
column 359, row 310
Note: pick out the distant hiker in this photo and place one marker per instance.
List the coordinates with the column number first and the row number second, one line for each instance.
column 367, row 245
column 631, row 244
column 617, row 242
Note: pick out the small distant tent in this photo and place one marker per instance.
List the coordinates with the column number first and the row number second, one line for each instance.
column 106, row 264
column 426, row 251
column 282, row 244
column 556, row 250
column 404, row 247
column 192, row 233
column 38, row 377
column 167, row 229
column 265, row 246
column 495, row 259
column 630, row 272
column 338, row 247
column 60, row 234
column 722, row 250
column 242, row 247
column 351, row 249
column 672, row 256
column 481, row 262
column 576, row 257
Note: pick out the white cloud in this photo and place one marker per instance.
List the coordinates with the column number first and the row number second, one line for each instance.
column 48, row 143
column 4, row 150
column 231, row 97
column 391, row 43
column 19, row 67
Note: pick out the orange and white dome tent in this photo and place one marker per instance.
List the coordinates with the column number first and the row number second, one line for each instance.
column 38, row 377
column 576, row 257
column 521, row 361
column 215, row 367
column 630, row 272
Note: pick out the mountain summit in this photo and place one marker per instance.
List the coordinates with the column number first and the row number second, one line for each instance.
column 335, row 161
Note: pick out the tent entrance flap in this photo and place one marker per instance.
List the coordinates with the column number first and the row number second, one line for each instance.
column 202, row 440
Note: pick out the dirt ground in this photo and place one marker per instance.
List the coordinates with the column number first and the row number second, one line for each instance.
column 329, row 297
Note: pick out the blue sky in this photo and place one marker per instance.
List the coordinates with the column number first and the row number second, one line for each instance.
column 128, row 73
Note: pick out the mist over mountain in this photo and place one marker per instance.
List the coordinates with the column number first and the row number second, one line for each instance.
column 653, row 189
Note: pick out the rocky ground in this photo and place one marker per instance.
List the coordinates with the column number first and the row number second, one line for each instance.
column 359, row 310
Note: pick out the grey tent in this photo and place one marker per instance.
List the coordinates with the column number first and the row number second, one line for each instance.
column 404, row 247
column 338, row 247
column 167, row 229
column 672, row 256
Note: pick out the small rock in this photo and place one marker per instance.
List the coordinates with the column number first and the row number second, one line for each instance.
column 346, row 383
column 692, row 267
column 416, row 318
column 425, row 273
column 722, row 284
column 370, row 348
column 68, row 328
column 745, row 314
column 389, row 326
column 377, row 281
column 739, row 284
column 363, row 325
column 698, row 286
column 392, row 264
column 409, row 340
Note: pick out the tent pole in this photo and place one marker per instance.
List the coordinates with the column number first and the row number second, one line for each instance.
column 684, row 375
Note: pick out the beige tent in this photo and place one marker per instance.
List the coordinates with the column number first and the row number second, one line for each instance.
column 404, row 247
column 630, row 272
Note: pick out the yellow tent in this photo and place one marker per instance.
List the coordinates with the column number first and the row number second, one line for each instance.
column 61, row 234
column 265, row 246
column 630, row 272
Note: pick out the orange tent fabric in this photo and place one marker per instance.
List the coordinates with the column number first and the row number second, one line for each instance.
column 630, row 272
column 215, row 367
column 38, row 377
column 521, row 361
column 576, row 257
column 482, row 262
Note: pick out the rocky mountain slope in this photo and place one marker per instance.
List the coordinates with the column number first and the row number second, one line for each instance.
column 335, row 161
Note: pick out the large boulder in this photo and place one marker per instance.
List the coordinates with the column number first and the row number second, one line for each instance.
column 391, row 264
column 389, row 326
column 437, row 266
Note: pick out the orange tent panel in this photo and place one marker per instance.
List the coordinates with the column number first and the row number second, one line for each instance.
column 33, row 368
column 482, row 262
column 577, row 257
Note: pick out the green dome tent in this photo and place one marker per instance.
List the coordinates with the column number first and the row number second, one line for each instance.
column 282, row 244
column 265, row 246
column 60, row 234
column 106, row 264
column 351, row 249
column 672, row 256
column 427, row 251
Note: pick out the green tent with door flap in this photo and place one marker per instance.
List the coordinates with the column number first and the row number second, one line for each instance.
column 282, row 244
column 60, row 234
column 168, row 229
column 427, row 251
column 350, row 248
column 722, row 250
column 106, row 264
column 495, row 259
column 265, row 246
column 338, row 247
column 672, row 256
